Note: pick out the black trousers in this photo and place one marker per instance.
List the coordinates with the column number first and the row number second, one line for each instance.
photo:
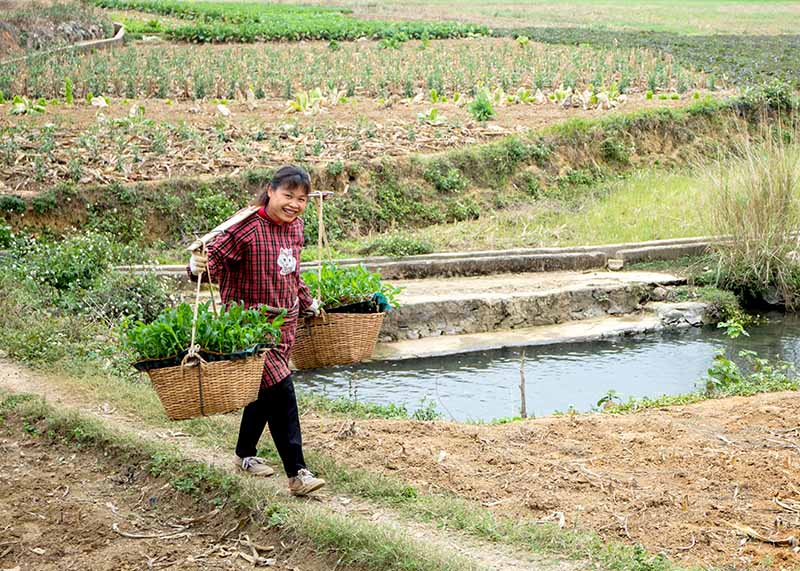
column 276, row 406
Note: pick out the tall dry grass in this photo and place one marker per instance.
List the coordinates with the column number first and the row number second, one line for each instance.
column 755, row 200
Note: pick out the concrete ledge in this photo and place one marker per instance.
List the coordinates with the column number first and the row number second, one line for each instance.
column 666, row 252
column 489, row 262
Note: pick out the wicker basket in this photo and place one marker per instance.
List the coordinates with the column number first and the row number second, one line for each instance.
column 197, row 388
column 336, row 339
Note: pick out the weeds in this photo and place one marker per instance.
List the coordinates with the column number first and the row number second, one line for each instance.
column 756, row 201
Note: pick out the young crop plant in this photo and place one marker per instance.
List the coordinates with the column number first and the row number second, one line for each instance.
column 24, row 106
column 232, row 330
column 307, row 102
column 481, row 108
column 344, row 285
column 432, row 117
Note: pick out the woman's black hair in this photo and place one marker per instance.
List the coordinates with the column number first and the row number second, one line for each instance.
column 287, row 176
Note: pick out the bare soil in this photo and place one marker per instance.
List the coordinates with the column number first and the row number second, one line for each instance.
column 61, row 508
column 40, row 150
column 683, row 480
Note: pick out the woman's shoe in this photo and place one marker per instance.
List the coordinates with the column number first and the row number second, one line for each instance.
column 254, row 465
column 304, row 483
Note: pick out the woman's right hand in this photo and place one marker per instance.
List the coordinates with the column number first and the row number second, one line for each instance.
column 198, row 263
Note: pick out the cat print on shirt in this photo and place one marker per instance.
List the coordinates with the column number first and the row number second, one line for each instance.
column 287, row 262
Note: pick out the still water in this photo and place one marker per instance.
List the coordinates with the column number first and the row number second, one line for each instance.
column 485, row 385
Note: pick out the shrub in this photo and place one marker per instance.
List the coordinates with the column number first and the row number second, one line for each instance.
column 615, row 151
column 397, row 246
column 6, row 236
column 777, row 96
column 444, row 179
column 481, row 108
column 12, row 204
column 463, row 209
column 117, row 295
column 44, row 202
column 72, row 263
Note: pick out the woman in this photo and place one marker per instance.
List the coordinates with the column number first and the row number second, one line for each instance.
column 255, row 260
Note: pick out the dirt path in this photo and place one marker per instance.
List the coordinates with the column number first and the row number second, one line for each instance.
column 65, row 508
column 489, row 556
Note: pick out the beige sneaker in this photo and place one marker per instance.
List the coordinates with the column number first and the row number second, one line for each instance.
column 304, row 483
column 254, row 465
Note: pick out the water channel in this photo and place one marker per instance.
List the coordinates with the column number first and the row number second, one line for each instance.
column 484, row 386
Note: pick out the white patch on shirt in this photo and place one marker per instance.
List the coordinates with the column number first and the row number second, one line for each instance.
column 287, row 262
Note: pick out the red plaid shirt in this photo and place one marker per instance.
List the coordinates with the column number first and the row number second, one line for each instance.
column 257, row 262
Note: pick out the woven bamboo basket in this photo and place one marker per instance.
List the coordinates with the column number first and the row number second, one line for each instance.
column 336, row 339
column 197, row 388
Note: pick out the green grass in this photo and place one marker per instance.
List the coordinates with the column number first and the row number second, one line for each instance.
column 647, row 205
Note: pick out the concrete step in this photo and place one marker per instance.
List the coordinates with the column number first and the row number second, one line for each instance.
column 457, row 306
column 653, row 317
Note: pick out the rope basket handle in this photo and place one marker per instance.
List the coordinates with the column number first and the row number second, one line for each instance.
column 193, row 348
column 322, row 237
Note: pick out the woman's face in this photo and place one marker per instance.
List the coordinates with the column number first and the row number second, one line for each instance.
column 286, row 203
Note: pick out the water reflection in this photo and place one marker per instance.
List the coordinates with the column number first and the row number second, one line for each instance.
column 485, row 385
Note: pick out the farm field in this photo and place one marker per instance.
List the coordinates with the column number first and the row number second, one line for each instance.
column 439, row 127
column 684, row 17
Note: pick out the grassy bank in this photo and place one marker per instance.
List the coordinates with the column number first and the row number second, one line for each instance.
column 562, row 167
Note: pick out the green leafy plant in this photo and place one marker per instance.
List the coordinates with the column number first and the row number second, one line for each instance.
column 343, row 285
column 68, row 95
column 232, row 330
column 432, row 117
column 427, row 411
column 13, row 204
column 24, row 106
column 74, row 262
column 6, row 236
column 481, row 107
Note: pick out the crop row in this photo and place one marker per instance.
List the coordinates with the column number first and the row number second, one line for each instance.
column 214, row 22
column 363, row 69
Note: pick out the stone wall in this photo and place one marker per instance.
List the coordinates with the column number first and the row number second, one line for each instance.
column 494, row 313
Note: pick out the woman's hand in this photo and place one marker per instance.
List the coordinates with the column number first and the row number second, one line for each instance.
column 198, row 263
column 314, row 309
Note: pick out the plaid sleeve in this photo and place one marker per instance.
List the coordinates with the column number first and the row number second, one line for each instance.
column 225, row 253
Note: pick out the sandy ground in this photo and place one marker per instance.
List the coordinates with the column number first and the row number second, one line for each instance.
column 684, row 481
column 60, row 504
